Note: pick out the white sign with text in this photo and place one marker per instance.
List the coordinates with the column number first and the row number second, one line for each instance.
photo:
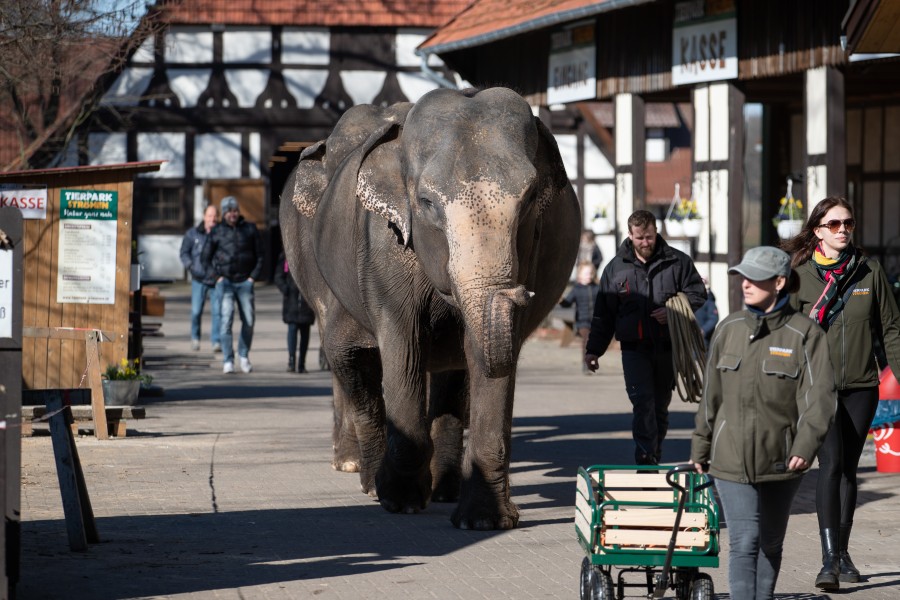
column 6, row 293
column 704, row 51
column 572, row 64
column 28, row 198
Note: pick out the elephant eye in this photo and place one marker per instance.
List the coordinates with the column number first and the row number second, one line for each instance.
column 425, row 202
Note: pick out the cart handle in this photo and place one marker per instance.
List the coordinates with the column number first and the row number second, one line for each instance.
column 670, row 478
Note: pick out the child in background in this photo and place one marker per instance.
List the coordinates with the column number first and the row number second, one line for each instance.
column 298, row 315
column 583, row 295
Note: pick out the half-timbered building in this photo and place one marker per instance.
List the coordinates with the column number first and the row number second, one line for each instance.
column 225, row 83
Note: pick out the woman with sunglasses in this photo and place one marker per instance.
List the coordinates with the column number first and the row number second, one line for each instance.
column 849, row 296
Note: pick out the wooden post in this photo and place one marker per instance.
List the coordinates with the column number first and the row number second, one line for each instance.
column 80, row 524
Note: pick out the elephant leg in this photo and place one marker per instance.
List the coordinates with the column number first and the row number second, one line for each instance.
column 484, row 499
column 359, row 433
column 404, row 480
column 448, row 396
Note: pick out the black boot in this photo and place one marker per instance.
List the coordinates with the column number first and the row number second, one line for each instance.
column 291, row 364
column 849, row 572
column 828, row 577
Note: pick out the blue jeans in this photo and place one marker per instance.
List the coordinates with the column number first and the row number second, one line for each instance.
column 199, row 293
column 649, row 378
column 757, row 518
column 240, row 294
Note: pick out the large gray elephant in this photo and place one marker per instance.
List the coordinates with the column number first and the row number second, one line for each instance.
column 432, row 239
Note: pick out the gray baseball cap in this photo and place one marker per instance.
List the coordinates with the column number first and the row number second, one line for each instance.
column 763, row 262
column 229, row 203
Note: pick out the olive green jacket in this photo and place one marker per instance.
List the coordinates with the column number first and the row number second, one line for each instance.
column 769, row 395
column 869, row 312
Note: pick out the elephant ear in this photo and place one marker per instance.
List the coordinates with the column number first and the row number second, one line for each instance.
column 551, row 171
column 379, row 183
column 309, row 179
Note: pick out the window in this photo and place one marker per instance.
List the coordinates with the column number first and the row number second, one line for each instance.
column 159, row 207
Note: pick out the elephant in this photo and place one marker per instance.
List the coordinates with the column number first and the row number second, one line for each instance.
column 431, row 239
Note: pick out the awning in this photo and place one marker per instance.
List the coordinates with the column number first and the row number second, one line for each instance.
column 873, row 27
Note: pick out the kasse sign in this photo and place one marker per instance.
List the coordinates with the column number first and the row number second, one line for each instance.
column 704, row 45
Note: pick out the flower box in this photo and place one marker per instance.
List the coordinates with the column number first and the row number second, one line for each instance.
column 692, row 227
column 789, row 228
column 674, row 228
column 601, row 225
column 121, row 392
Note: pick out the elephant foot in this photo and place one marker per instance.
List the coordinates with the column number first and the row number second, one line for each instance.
column 345, row 466
column 447, row 488
column 485, row 515
column 403, row 493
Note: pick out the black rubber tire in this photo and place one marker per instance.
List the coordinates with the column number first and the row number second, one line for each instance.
column 702, row 587
column 601, row 586
column 584, row 580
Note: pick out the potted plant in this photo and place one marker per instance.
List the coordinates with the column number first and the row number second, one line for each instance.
column 683, row 218
column 789, row 220
column 122, row 383
column 600, row 223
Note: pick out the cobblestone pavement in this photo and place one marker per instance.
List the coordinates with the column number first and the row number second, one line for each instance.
column 225, row 490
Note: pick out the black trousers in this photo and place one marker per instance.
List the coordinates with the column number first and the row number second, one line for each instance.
column 649, row 379
column 839, row 457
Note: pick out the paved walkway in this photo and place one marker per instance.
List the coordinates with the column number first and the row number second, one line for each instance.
column 225, row 491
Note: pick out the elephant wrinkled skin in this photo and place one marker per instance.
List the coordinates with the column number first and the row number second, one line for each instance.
column 431, row 239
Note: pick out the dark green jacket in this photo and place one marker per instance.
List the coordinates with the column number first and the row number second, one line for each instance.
column 870, row 311
column 768, row 395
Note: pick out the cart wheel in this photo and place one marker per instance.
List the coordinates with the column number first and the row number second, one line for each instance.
column 702, row 587
column 601, row 586
column 584, row 582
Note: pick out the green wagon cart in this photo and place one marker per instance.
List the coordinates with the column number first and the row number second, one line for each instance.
column 662, row 525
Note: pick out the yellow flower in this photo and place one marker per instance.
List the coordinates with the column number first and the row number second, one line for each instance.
column 783, row 201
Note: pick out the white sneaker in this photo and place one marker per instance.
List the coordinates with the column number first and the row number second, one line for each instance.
column 246, row 367
column 195, row 345
column 228, row 367
column 217, row 347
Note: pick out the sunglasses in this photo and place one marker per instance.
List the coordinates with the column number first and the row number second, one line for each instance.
column 834, row 225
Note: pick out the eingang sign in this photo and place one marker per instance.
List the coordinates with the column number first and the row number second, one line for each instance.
column 704, row 42
column 572, row 64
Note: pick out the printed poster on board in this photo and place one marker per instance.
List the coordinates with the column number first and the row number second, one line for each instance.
column 87, row 247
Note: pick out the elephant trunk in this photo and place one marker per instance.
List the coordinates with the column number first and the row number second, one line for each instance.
column 502, row 308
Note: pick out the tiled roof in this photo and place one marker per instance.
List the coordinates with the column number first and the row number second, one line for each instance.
column 320, row 13
column 488, row 20
column 662, row 177
column 656, row 114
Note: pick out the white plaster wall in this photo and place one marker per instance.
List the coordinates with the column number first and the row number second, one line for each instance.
column 128, row 87
column 701, row 123
column 200, row 203
column 363, row 86
column 596, row 166
column 718, row 209
column 107, row 148
column 158, row 256
column 568, row 151
column 815, row 185
column 247, row 84
column 305, row 85
column 188, row 84
column 165, row 146
column 719, row 122
column 624, row 201
column 189, row 45
column 406, row 43
column 305, row 46
column 144, row 53
column 816, row 111
column 598, row 197
column 414, row 85
column 217, row 156
column 248, row 46
column 720, row 283
column 623, row 130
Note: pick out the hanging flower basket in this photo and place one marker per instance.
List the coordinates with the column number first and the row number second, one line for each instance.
column 789, row 220
column 683, row 218
column 601, row 225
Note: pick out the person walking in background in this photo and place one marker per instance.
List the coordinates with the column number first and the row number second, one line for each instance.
column 296, row 312
column 233, row 253
column 631, row 305
column 589, row 251
column 203, row 280
column 707, row 315
column 767, row 403
column 583, row 295
column 849, row 296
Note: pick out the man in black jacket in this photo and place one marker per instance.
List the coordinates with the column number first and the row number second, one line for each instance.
column 234, row 253
column 631, row 305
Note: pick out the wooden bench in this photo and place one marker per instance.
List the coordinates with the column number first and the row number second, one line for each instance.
column 83, row 415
